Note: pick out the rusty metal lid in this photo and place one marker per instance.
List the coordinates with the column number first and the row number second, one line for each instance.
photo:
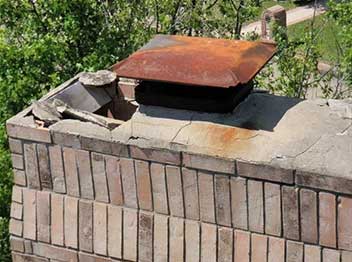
column 197, row 61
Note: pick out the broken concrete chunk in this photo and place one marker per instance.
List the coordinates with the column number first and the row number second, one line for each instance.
column 46, row 112
column 102, row 78
column 342, row 107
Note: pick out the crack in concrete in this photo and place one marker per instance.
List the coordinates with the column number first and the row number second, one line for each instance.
column 179, row 131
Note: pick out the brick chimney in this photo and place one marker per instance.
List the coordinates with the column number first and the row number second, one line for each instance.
column 100, row 177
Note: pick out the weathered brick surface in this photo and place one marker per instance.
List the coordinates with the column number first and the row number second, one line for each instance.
column 144, row 189
column 208, row 163
column 28, row 133
column 85, row 225
column 259, row 244
column 272, row 199
column 145, row 237
column 176, row 239
column 31, row 163
column 115, row 231
column 17, row 161
column 114, row 180
column 57, row 219
column 16, row 146
column 239, row 203
column 242, row 246
column 206, row 197
column 17, row 194
column 16, row 244
column 28, row 246
column 309, row 220
column 71, row 173
column 225, row 245
column 66, row 139
column 71, row 222
column 29, row 214
column 100, row 228
column 294, row 251
column 192, row 240
column 346, row 256
column 222, row 200
column 175, row 192
column 161, row 236
column 157, row 155
column 327, row 219
column 99, row 177
column 130, row 232
column 255, row 206
column 16, row 211
column 312, row 253
column 158, row 178
column 344, row 223
column 43, row 216
column 57, row 169
column 16, row 257
column 52, row 252
column 264, row 172
column 330, row 255
column 85, row 174
column 190, row 189
column 19, row 177
column 276, row 249
column 290, row 212
column 44, row 168
column 208, row 242
column 128, row 182
column 16, row 227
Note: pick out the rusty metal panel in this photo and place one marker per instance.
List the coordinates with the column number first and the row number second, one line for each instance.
column 197, row 61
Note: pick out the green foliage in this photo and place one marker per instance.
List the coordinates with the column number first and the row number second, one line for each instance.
column 341, row 12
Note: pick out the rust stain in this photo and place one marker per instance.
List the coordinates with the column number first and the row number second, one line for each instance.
column 197, row 61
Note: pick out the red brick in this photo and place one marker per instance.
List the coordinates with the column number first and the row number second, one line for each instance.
column 16, row 244
column 44, row 169
column 175, row 193
column 156, row 155
column 27, row 258
column 85, row 174
column 52, row 252
column 239, row 203
column 128, row 182
column 126, row 89
column 28, row 133
column 242, row 246
column 114, row 180
column 209, row 163
column 57, row 169
column 327, row 219
column 176, row 239
column 72, row 184
column 276, row 250
column 28, row 249
column 206, row 197
column 192, row 240
column 272, row 201
column 222, row 200
column 208, row 242
column 19, row 177
column 85, row 225
column 71, row 222
column 16, row 227
column 158, row 178
column 92, row 258
column 190, row 189
column 115, row 231
column 259, row 247
column 31, row 162
column 57, row 219
column 17, row 161
column 161, row 236
column 16, row 210
column 225, row 244
column 16, row 146
column 294, row 251
column 346, row 256
column 145, row 237
column 29, row 214
column 344, row 223
column 100, row 228
column 99, row 177
column 43, row 216
column 309, row 220
column 312, row 253
column 130, row 225
column 290, row 212
column 330, row 255
column 255, row 206
column 144, row 188
column 17, row 194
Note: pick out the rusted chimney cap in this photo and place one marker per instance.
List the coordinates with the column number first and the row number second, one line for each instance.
column 197, row 61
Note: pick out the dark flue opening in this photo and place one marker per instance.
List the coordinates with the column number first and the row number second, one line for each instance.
column 196, row 98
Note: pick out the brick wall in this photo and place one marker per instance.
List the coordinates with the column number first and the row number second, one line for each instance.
column 79, row 198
